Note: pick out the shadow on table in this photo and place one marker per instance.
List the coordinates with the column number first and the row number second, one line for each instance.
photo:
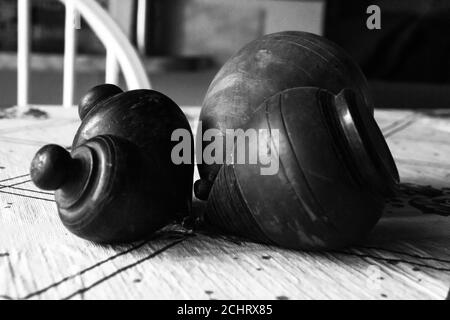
column 416, row 199
column 415, row 213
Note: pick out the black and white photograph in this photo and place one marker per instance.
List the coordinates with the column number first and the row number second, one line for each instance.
column 228, row 157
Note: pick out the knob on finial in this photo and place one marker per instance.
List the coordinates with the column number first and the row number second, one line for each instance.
column 50, row 167
column 95, row 96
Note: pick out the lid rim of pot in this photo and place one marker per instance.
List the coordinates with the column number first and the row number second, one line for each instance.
column 369, row 151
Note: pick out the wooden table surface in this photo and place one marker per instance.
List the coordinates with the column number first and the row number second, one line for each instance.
column 407, row 256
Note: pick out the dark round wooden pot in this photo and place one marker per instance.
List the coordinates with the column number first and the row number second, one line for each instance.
column 335, row 174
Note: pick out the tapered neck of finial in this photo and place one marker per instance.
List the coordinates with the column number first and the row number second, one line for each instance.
column 79, row 178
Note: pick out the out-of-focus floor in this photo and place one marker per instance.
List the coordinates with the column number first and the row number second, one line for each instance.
column 189, row 88
column 185, row 88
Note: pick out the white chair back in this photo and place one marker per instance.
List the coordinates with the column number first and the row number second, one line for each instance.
column 120, row 55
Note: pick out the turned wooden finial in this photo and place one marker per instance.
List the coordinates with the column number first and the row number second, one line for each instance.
column 119, row 182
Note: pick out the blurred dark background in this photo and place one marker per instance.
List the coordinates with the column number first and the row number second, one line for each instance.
column 407, row 61
column 413, row 44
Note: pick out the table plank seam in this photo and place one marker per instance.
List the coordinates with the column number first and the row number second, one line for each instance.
column 27, row 142
column 27, row 190
column 14, row 178
column 400, row 128
column 26, row 196
column 406, row 254
column 38, row 126
column 391, row 260
column 14, row 185
column 80, row 273
column 123, row 269
column 94, row 266
column 398, row 123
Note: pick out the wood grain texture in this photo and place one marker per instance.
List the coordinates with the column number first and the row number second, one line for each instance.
column 407, row 256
